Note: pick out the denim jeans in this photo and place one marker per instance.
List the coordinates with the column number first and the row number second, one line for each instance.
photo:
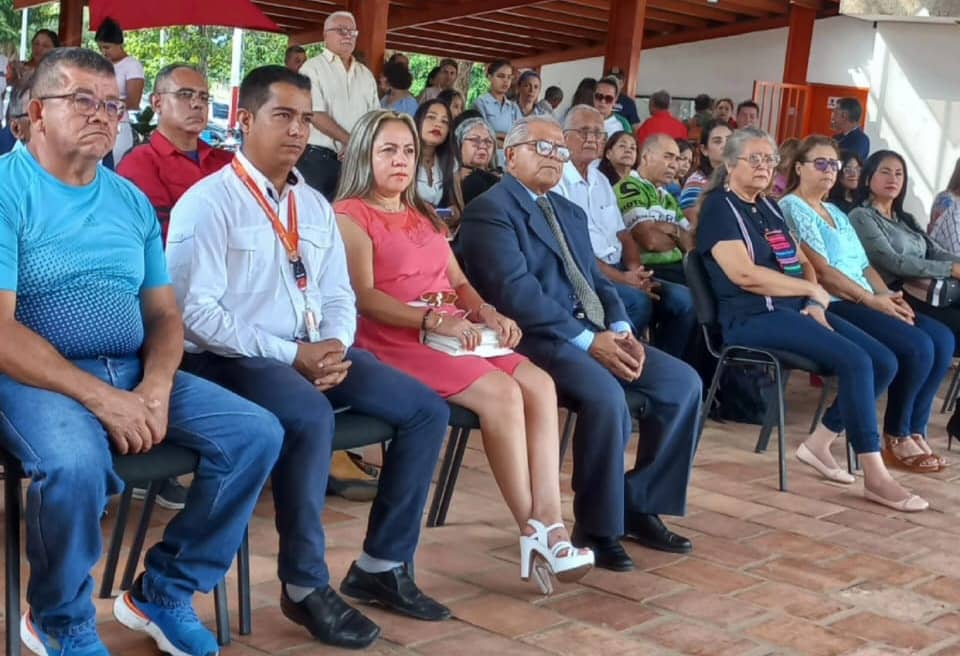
column 672, row 320
column 924, row 352
column 65, row 451
column 863, row 366
column 300, row 477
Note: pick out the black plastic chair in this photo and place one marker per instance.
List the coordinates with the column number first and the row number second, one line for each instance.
column 151, row 468
column 780, row 362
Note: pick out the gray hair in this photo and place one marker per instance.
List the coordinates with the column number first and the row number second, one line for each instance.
column 520, row 131
column 466, row 128
column 732, row 151
column 49, row 77
column 579, row 109
column 356, row 177
column 18, row 102
column 654, row 141
column 660, row 99
column 328, row 23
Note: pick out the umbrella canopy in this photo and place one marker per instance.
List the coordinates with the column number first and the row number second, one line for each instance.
column 148, row 14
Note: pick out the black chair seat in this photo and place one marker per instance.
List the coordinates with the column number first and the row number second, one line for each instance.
column 788, row 360
column 159, row 463
column 463, row 418
column 354, row 430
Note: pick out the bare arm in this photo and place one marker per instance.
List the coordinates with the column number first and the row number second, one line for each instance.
column 733, row 259
column 134, row 93
column 163, row 344
column 325, row 123
column 655, row 236
column 631, row 252
column 612, row 273
column 833, row 280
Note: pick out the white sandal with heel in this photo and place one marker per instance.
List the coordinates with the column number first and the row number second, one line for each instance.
column 545, row 561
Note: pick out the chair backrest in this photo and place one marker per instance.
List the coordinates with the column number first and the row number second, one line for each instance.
column 704, row 300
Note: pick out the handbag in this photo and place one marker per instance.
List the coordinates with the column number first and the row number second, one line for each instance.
column 936, row 292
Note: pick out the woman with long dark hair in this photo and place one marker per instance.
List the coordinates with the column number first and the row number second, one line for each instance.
column 713, row 138
column 844, row 191
column 436, row 176
column 619, row 157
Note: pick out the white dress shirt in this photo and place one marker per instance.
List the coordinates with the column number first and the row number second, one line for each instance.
column 345, row 95
column 596, row 198
column 233, row 279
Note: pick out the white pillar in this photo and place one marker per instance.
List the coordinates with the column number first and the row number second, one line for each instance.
column 24, row 26
column 236, row 60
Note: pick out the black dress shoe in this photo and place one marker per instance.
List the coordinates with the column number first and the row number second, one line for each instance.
column 608, row 553
column 652, row 533
column 395, row 590
column 330, row 619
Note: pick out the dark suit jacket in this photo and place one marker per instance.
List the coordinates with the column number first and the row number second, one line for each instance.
column 513, row 260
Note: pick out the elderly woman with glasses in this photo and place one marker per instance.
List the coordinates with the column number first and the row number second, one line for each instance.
column 409, row 290
column 769, row 298
column 475, row 145
column 922, row 347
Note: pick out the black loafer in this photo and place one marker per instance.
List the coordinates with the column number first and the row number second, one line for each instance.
column 608, row 553
column 330, row 619
column 652, row 533
column 395, row 590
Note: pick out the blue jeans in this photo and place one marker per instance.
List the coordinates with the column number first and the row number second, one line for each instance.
column 672, row 320
column 864, row 367
column 924, row 352
column 300, row 478
column 65, row 451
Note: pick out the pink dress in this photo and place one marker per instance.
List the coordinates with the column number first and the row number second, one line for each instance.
column 410, row 258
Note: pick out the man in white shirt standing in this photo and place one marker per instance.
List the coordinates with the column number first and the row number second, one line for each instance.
column 665, row 307
column 343, row 90
column 260, row 271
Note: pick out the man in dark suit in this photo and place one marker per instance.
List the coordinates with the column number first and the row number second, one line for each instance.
column 528, row 252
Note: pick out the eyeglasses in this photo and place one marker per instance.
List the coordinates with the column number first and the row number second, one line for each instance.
column 546, row 148
column 86, row 104
column 16, row 116
column 345, row 32
column 587, row 134
column 187, row 95
column 825, row 164
column 480, row 142
column 604, row 97
column 757, row 160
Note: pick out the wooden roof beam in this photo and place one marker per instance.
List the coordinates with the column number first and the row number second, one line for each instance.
column 449, row 33
column 491, row 50
column 405, row 17
column 452, row 50
column 540, row 38
column 693, row 8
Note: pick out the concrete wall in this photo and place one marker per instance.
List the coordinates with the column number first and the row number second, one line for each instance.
column 914, row 104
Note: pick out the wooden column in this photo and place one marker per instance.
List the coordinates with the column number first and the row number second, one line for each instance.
column 371, row 18
column 799, row 38
column 625, row 40
column 71, row 22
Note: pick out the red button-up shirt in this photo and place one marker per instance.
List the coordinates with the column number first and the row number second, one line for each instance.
column 164, row 173
column 663, row 122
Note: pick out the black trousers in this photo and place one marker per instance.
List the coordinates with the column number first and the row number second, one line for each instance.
column 320, row 167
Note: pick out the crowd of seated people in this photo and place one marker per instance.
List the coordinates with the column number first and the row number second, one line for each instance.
column 368, row 250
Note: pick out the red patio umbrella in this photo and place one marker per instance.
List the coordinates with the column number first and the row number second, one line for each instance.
column 146, row 14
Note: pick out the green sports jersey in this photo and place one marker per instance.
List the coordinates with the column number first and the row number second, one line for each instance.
column 640, row 200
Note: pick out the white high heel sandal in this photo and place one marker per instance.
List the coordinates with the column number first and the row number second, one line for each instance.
column 545, row 562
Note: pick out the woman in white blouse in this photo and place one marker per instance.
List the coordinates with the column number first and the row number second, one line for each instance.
column 436, row 182
column 130, row 80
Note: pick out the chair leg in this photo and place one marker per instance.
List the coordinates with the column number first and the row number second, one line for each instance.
column 568, row 426
column 763, row 441
column 243, row 585
column 781, row 381
column 222, row 613
column 12, row 511
column 443, row 480
column 950, row 400
column 454, row 474
column 853, row 460
column 133, row 558
column 116, row 542
column 711, row 393
column 822, row 404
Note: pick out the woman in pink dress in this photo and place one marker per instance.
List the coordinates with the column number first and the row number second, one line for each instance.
column 398, row 255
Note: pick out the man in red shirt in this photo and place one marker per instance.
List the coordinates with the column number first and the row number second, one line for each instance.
column 175, row 158
column 661, row 121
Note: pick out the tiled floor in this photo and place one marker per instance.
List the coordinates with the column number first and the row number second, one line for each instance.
column 813, row 571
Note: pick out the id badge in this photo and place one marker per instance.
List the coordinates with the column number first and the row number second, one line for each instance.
column 310, row 323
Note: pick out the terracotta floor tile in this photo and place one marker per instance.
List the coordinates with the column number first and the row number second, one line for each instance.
column 380, row 648
column 876, row 569
column 639, row 586
column 804, row 637
column 690, row 637
column 506, row 580
column 905, row 635
column 586, row 640
column 952, row 650
column 727, row 552
column 605, row 611
column 406, row 631
column 802, row 573
column 788, row 521
column 481, row 643
column 944, row 588
column 939, row 563
column 273, row 632
column 789, row 501
column 707, row 577
column 949, row 623
column 505, row 615
column 894, row 602
column 792, row 600
column 725, row 611
column 440, row 559
column 794, row 545
column 866, row 521
column 893, row 548
column 728, row 505
column 719, row 525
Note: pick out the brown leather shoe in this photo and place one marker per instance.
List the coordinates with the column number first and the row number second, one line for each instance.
column 349, row 481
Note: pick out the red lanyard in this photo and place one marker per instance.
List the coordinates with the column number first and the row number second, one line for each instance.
column 289, row 236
